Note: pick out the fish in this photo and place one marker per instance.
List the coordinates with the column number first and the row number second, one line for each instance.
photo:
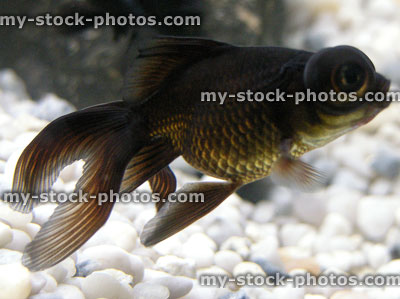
column 161, row 117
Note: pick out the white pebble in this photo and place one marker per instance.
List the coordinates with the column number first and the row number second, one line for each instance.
column 212, row 271
column 349, row 294
column 257, row 232
column 75, row 281
column 314, row 296
column 199, row 251
column 238, row 244
column 12, row 129
column 200, row 239
column 264, row 211
column 19, row 241
column 380, row 187
column 344, row 202
column 6, row 149
column 38, row 281
column 397, row 216
column 15, row 281
column 172, row 245
column 50, row 285
column 176, row 266
column 32, row 229
column 392, row 237
column 246, row 209
column 289, row 292
column 282, row 198
column 358, row 259
column 31, row 123
column 291, row 233
column 2, row 169
column 43, row 212
column 375, row 216
column 385, row 9
column 12, row 83
column 221, row 229
column 116, row 233
column 201, row 292
column 353, row 158
column 227, row 259
column 338, row 259
column 215, row 276
column 121, row 277
column 14, row 218
column 308, row 240
column 109, row 256
column 62, row 271
column 72, row 172
column 51, row 106
column 103, row 285
column 146, row 252
column 310, row 207
column 335, row 224
column 256, row 292
column 144, row 290
column 377, row 255
column 63, row 291
column 393, row 267
column 266, row 249
column 178, row 286
column 8, row 256
column 6, row 234
column 142, row 218
column 248, row 267
column 323, row 243
column 68, row 291
column 349, row 179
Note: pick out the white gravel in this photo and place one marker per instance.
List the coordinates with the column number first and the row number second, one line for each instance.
column 350, row 227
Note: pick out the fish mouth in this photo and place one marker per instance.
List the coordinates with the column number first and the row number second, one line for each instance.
column 371, row 115
column 383, row 86
column 382, row 83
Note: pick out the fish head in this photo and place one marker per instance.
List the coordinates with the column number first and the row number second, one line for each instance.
column 354, row 92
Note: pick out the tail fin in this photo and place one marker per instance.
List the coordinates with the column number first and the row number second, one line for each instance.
column 107, row 137
column 93, row 134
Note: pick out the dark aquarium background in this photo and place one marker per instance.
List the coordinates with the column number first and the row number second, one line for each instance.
column 86, row 66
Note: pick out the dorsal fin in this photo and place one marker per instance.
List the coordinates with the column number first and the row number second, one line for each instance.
column 163, row 58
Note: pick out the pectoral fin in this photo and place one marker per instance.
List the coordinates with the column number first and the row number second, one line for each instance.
column 175, row 216
column 297, row 174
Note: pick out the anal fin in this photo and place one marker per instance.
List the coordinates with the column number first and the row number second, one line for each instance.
column 146, row 163
column 163, row 183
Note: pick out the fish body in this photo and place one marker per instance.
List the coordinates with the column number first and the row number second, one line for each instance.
column 238, row 141
column 163, row 117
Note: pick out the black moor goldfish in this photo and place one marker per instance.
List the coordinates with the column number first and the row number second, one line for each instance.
column 162, row 117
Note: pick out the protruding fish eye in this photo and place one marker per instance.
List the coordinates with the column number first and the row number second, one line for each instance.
column 350, row 77
column 342, row 69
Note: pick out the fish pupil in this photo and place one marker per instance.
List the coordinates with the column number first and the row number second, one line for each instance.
column 350, row 77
